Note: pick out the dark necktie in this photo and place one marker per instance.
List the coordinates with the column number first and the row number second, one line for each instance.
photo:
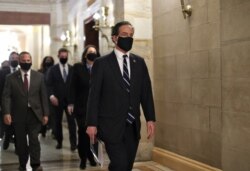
column 125, row 74
column 64, row 74
column 126, row 80
column 25, row 82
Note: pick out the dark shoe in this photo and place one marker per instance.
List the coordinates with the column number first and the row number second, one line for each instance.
column 43, row 134
column 6, row 144
column 73, row 148
column 39, row 168
column 22, row 168
column 59, row 146
column 92, row 163
column 82, row 165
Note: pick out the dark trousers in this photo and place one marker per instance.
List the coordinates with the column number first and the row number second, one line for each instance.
column 6, row 130
column 51, row 122
column 58, row 125
column 83, row 140
column 122, row 154
column 1, row 125
column 30, row 127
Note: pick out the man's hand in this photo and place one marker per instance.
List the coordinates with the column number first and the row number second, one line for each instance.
column 150, row 129
column 54, row 100
column 70, row 108
column 45, row 120
column 92, row 131
column 7, row 119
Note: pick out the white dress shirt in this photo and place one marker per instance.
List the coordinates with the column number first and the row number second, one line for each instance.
column 61, row 66
column 12, row 69
column 119, row 57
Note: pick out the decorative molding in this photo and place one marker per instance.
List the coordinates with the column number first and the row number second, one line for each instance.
column 178, row 162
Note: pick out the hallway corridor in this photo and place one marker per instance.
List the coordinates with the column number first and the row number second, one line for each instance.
column 63, row 160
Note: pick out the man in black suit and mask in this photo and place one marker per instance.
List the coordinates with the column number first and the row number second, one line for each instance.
column 8, row 130
column 58, row 83
column 120, row 83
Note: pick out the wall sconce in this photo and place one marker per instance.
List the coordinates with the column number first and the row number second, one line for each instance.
column 66, row 38
column 186, row 9
column 101, row 23
column 101, row 19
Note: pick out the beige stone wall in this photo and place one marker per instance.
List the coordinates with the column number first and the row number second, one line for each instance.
column 187, row 79
column 235, row 53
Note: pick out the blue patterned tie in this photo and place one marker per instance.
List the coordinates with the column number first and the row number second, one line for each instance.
column 64, row 74
column 126, row 80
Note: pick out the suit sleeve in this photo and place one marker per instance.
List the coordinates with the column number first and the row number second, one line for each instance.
column 1, row 86
column 147, row 96
column 49, row 82
column 71, row 87
column 3, row 74
column 44, row 97
column 6, row 97
column 94, row 94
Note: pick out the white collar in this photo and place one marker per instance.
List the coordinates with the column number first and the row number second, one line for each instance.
column 28, row 72
column 120, row 54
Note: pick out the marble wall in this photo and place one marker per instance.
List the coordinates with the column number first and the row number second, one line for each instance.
column 201, row 78
column 235, row 53
column 187, row 79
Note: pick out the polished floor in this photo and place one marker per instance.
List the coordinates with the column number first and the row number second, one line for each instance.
column 64, row 159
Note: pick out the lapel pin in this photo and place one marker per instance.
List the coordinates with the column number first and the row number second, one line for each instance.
column 134, row 60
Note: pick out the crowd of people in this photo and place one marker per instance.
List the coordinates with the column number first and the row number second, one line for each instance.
column 100, row 97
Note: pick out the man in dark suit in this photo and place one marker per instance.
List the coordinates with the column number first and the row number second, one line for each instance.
column 120, row 83
column 58, row 82
column 8, row 130
column 25, row 105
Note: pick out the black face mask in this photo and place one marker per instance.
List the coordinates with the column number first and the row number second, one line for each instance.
column 48, row 64
column 63, row 60
column 14, row 63
column 25, row 66
column 91, row 56
column 125, row 43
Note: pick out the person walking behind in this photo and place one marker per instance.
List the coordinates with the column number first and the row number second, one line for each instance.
column 7, row 130
column 47, row 62
column 25, row 106
column 78, row 97
column 58, row 82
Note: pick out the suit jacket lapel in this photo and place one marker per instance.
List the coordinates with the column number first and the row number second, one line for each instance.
column 116, row 69
column 133, row 67
column 69, row 72
column 20, row 81
column 59, row 72
column 31, row 82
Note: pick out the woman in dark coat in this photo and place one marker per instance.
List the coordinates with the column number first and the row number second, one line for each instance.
column 78, row 97
column 47, row 62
